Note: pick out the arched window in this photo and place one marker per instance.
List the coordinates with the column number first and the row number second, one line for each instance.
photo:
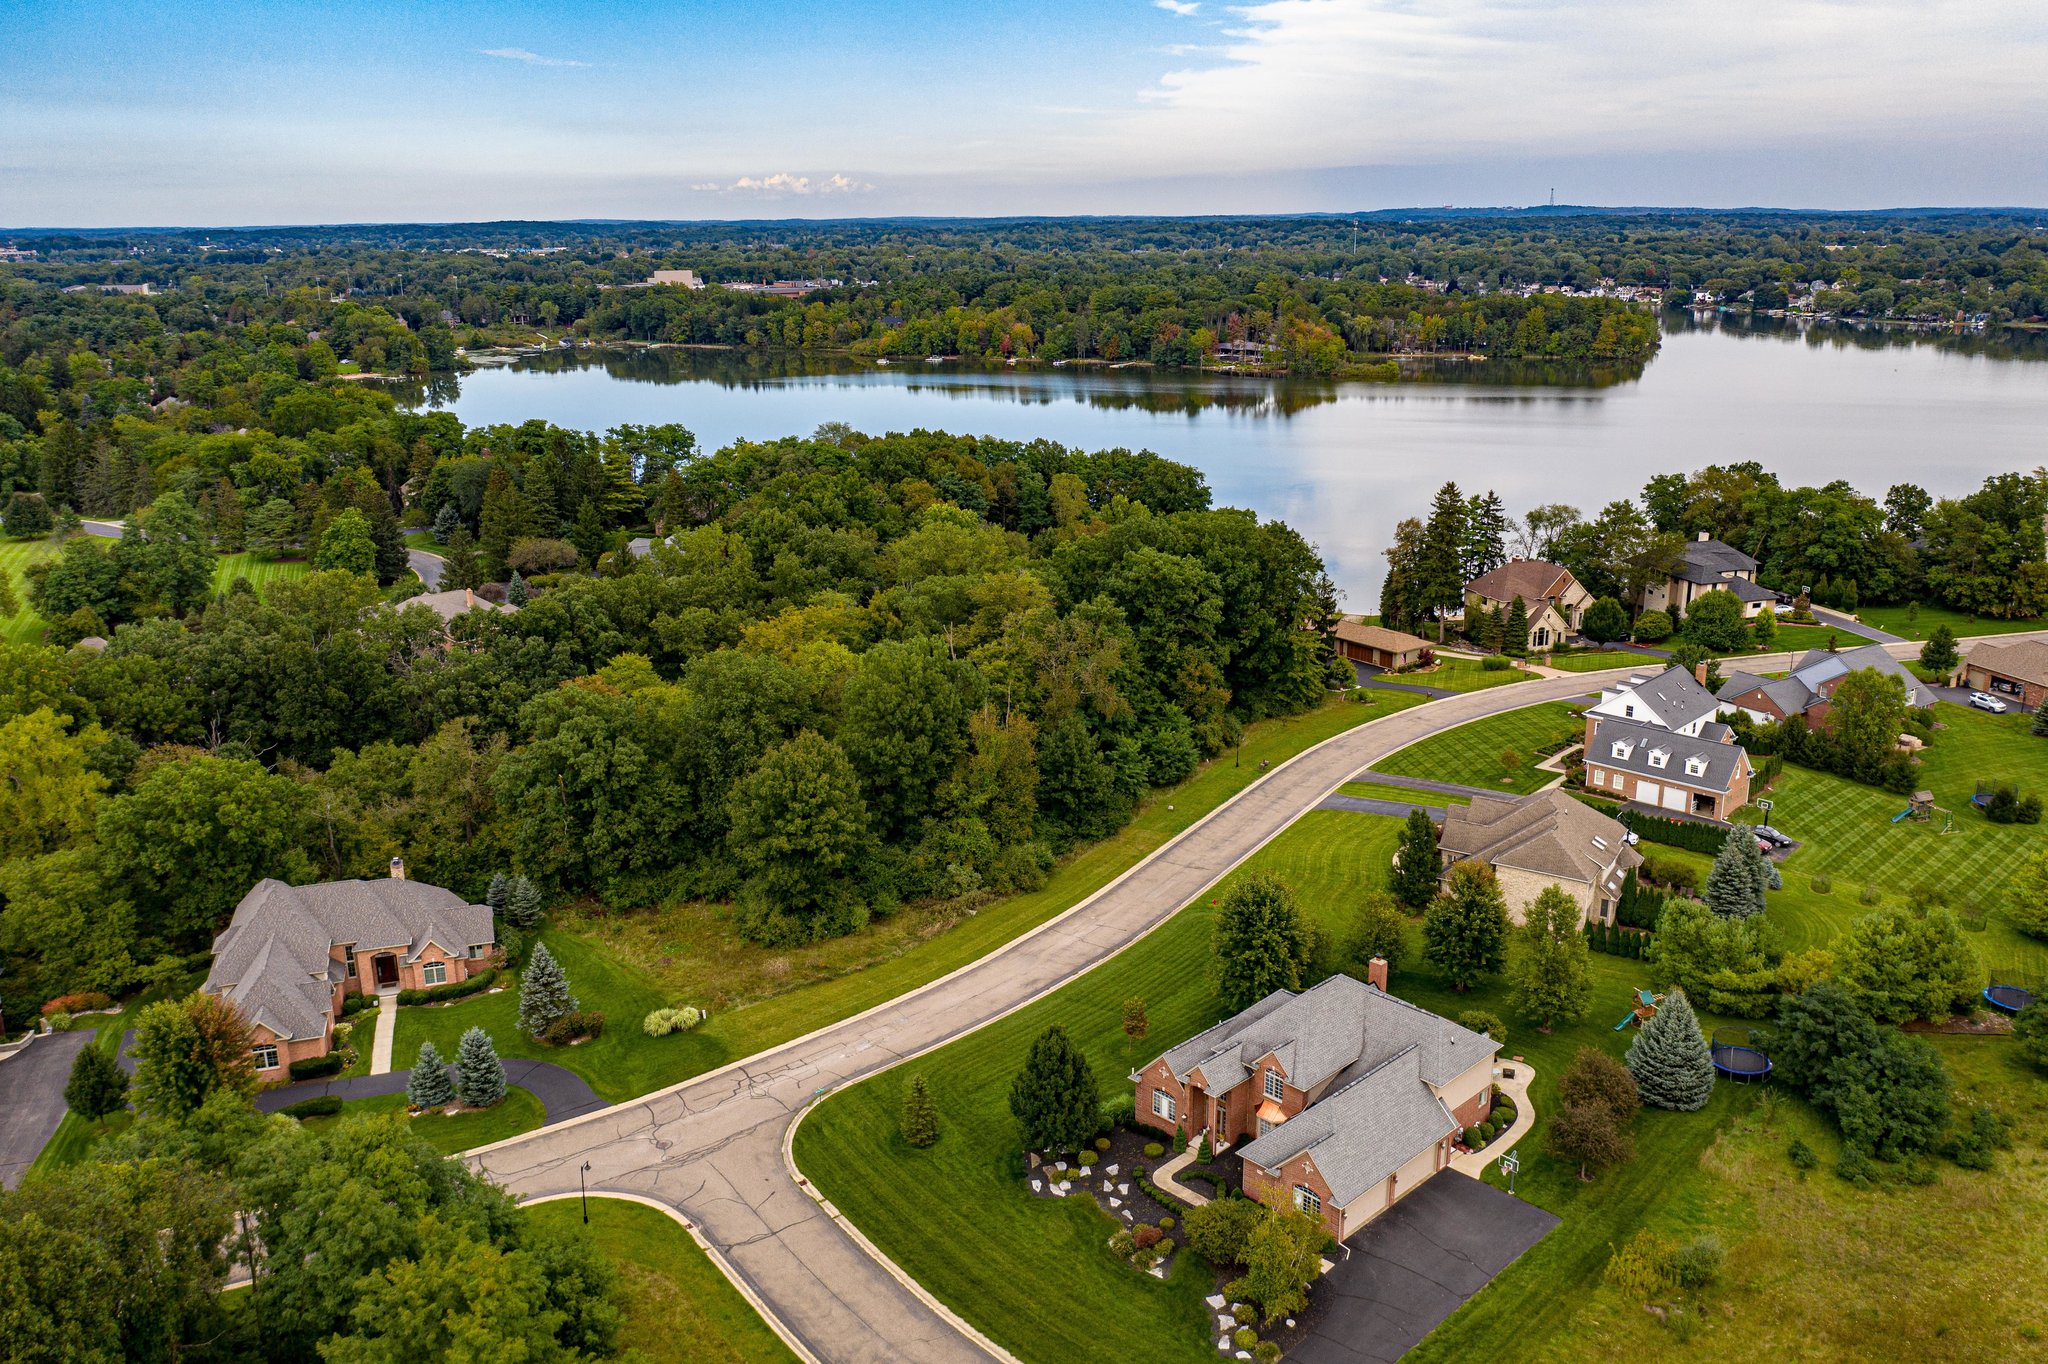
column 1308, row 1200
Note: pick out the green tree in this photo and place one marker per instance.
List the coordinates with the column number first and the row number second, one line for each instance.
column 1653, row 627
column 346, row 545
column 1724, row 963
column 1605, row 620
column 185, row 1049
column 1135, row 1023
column 479, row 1074
column 1260, row 943
column 165, row 554
column 97, row 1086
column 1901, row 963
column 456, row 1298
column 1939, row 654
column 516, row 591
column 1054, row 1098
column 2026, row 899
column 1440, row 567
column 1587, row 1136
column 1865, row 716
column 1413, row 879
column 1515, row 629
column 800, row 832
column 1670, row 1059
column 1219, row 1230
column 1737, row 880
column 49, row 790
column 920, row 1114
column 429, row 1086
column 544, row 996
column 522, row 902
column 1282, row 1257
column 1714, row 622
column 906, row 727
column 1765, row 627
column 1465, row 933
column 461, row 564
column 2030, row 1034
column 27, row 515
column 273, row 527
column 1548, row 962
column 1598, row 1081
column 1381, row 931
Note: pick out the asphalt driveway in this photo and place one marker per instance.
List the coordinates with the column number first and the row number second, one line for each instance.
column 1415, row 1266
column 32, row 1098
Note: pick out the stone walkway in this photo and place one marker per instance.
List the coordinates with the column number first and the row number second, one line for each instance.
column 1516, row 1088
column 387, row 1032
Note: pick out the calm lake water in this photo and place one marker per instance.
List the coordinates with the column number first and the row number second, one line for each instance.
column 1343, row 462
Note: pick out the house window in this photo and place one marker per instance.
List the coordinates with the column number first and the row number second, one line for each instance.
column 1264, row 1127
column 265, row 1056
column 1659, row 757
column 1695, row 767
column 1622, row 748
column 348, row 956
column 1276, row 1089
column 1162, row 1104
column 1628, row 712
column 435, row 973
column 1308, row 1200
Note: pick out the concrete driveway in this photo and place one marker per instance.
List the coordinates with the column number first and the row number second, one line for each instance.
column 32, row 1098
column 1414, row 1266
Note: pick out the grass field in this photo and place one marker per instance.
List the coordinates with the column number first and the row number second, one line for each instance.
column 629, row 963
column 1375, row 791
column 1599, row 660
column 1462, row 675
column 1798, row 639
column 25, row 625
column 260, row 569
column 1926, row 617
column 677, row 1305
column 1473, row 751
column 449, row 1133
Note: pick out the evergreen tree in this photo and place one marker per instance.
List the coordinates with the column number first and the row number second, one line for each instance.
column 1765, row 627
column 2039, row 729
column 920, row 1115
column 97, row 1085
column 1054, row 1097
column 495, row 896
column 1440, row 570
column 515, row 591
column 1670, row 1059
column 1261, row 944
column 461, row 564
column 1413, row 878
column 1939, row 652
column 543, row 992
column 346, row 544
column 522, row 902
column 1515, row 630
column 447, row 521
column 1735, row 885
column 1465, row 933
column 1549, row 963
column 1486, row 529
column 429, row 1086
column 479, row 1074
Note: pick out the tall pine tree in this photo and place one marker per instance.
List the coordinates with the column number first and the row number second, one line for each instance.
column 479, row 1074
column 429, row 1086
column 1670, row 1059
column 1514, row 631
column 1736, row 882
column 920, row 1115
column 1440, row 571
column 1414, row 875
column 543, row 992
column 1054, row 1098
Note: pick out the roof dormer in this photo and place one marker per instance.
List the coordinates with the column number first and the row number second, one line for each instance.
column 1624, row 747
column 1660, row 757
column 1696, row 766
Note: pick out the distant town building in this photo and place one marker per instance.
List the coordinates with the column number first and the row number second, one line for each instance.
column 684, row 278
column 110, row 288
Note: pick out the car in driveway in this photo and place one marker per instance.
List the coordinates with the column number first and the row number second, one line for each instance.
column 1984, row 700
column 1765, row 834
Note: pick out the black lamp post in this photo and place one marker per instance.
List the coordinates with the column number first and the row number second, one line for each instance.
column 584, row 1189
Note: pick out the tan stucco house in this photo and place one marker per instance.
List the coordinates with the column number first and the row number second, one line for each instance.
column 1344, row 1097
column 1708, row 565
column 291, row 954
column 1542, row 840
column 1553, row 599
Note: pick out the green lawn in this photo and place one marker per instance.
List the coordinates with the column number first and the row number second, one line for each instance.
column 1926, row 617
column 617, row 966
column 1799, row 639
column 1462, row 675
column 260, row 569
column 677, row 1305
column 1471, row 753
column 1375, row 791
column 1600, row 660
column 453, row 1132
column 75, row 1138
column 25, row 625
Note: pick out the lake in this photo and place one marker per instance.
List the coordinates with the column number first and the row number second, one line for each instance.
column 1342, row 462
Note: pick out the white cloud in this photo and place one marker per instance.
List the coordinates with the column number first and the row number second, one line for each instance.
column 782, row 184
column 520, row 54
column 1180, row 7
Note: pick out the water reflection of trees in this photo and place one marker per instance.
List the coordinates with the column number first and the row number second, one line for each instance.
column 1992, row 343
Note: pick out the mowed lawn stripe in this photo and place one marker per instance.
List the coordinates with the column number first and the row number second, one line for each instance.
column 1471, row 753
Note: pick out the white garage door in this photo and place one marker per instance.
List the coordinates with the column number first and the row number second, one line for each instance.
column 1648, row 792
column 1674, row 798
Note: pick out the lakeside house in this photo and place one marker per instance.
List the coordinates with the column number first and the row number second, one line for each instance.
column 1708, row 565
column 291, row 955
column 1539, row 841
column 1554, row 600
column 1345, row 1097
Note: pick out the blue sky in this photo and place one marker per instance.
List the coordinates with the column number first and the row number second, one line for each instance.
column 287, row 112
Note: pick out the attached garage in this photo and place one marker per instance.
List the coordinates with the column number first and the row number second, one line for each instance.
column 1649, row 793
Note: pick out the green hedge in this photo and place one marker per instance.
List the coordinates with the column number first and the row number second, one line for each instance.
column 454, row 989
column 316, row 1067
column 354, row 1004
column 324, row 1106
column 1676, row 833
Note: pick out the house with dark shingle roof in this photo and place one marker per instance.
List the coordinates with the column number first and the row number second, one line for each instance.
column 1552, row 597
column 291, row 955
column 1344, row 1098
column 1673, row 699
column 1707, row 775
column 1541, row 841
column 1708, row 565
column 1809, row 687
column 1377, row 645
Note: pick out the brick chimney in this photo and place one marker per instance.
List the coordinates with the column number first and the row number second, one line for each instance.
column 1376, row 973
column 398, row 869
column 1699, row 672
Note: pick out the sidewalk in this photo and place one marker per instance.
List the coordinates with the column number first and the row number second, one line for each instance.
column 387, row 1032
column 1164, row 1178
column 1474, row 1163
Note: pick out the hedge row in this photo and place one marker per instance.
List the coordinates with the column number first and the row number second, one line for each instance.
column 1676, row 833
column 324, row 1106
column 454, row 989
column 1617, row 941
column 318, row 1067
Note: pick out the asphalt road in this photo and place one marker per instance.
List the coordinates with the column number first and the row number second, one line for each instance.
column 427, row 566
column 32, row 1098
column 713, row 1147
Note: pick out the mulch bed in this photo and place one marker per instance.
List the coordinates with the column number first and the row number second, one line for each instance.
column 1112, row 1182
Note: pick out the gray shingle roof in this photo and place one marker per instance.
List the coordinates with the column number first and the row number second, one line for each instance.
column 1674, row 697
column 1820, row 667
column 1745, row 590
column 2026, row 661
column 1722, row 760
column 1549, row 834
column 274, row 961
column 1364, row 1131
column 450, row 604
column 1787, row 694
column 1707, row 560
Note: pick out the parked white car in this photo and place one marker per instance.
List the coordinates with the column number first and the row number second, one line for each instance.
column 1984, row 700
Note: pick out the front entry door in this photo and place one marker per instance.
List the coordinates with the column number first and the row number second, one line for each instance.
column 387, row 972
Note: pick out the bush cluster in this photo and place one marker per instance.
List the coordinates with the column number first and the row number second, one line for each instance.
column 317, row 1067
column 89, row 1001
column 322, row 1106
column 352, row 1004
column 454, row 989
column 572, row 1026
column 662, row 1022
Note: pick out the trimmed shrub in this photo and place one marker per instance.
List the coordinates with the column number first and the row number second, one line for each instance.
column 1087, row 1159
column 352, row 1005
column 1822, row 885
column 1153, row 1150
column 1145, row 1237
column 315, row 1067
column 89, row 1001
column 1472, row 1138
column 662, row 1022
column 1245, row 1338
column 572, row 1026
column 1166, row 1223
column 1494, row 663
column 1102, row 1143
column 1122, row 1244
column 322, row 1106
column 1266, row 1351
column 454, row 989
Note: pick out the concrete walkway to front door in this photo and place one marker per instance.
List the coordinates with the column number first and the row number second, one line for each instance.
column 1513, row 1077
column 387, row 1032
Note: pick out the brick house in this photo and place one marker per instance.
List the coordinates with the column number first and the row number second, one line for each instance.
column 1553, row 599
column 1808, row 690
column 2018, row 672
column 1706, row 775
column 1541, row 841
column 292, row 954
column 1344, row 1097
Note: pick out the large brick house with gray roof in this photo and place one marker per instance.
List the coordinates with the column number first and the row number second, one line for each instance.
column 291, row 954
column 1344, row 1098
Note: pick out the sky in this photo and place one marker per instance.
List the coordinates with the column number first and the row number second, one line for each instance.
column 261, row 111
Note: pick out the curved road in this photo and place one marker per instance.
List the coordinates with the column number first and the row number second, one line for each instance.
column 714, row 1147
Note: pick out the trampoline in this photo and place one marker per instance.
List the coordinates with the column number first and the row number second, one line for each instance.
column 1739, row 1054
column 2009, row 994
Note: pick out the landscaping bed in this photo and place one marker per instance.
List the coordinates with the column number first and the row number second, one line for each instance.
column 1117, row 1166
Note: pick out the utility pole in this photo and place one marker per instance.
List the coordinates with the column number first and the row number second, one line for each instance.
column 584, row 1190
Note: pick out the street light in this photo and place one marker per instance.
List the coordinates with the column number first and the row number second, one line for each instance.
column 584, row 1189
